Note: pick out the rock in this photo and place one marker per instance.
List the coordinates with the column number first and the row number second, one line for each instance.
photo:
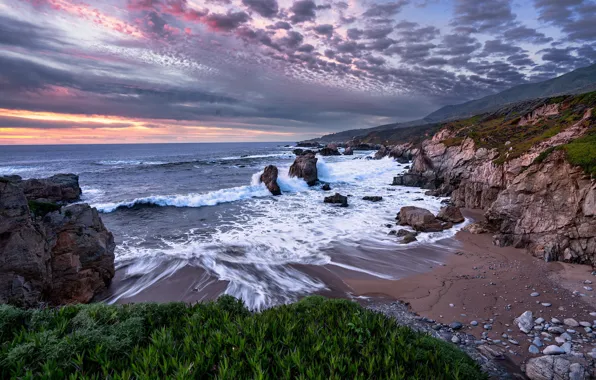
column 539, row 321
column 525, row 322
column 402, row 233
column 553, row 350
column 326, row 187
column 570, row 322
column 455, row 325
column 305, row 167
column 373, row 198
column 65, row 256
column 410, row 180
column 409, row 238
column 585, row 324
column 476, row 228
column 535, row 294
column 566, row 347
column 348, row 151
column 546, row 304
column 62, row 188
column 307, row 144
column 450, row 214
column 488, row 326
column 381, row 153
column 533, row 350
column 420, row 219
column 455, row 339
column 555, row 367
column 337, row 199
column 537, row 342
column 474, row 323
column 269, row 178
column 329, row 150
column 298, row 152
column 556, row 330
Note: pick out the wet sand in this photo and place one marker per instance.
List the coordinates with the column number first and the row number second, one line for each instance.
column 461, row 279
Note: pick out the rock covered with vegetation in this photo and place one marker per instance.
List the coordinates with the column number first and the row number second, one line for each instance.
column 313, row 338
column 532, row 166
column 51, row 253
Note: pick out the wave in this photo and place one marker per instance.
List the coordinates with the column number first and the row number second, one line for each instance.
column 191, row 200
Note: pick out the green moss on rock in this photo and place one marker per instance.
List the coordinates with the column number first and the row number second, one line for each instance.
column 38, row 208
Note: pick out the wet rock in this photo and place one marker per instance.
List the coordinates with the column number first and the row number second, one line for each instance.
column 373, row 198
column 329, row 150
column 450, row 214
column 410, row 180
column 348, row 151
column 305, row 167
column 298, row 152
column 269, row 178
column 337, row 199
column 420, row 219
column 382, row 152
column 409, row 238
column 326, row 187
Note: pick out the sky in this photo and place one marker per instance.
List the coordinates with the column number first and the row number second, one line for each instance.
column 147, row 71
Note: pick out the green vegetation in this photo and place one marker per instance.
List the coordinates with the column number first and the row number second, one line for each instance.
column 503, row 132
column 582, row 152
column 313, row 338
column 43, row 208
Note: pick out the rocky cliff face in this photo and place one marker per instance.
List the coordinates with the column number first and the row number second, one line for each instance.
column 61, row 257
column 534, row 199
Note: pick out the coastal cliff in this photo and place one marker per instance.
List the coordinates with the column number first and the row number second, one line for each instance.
column 51, row 252
column 530, row 169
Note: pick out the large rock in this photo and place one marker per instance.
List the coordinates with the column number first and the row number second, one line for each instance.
column 337, row 199
column 305, row 167
column 58, row 188
column 348, row 151
column 269, row 178
column 420, row 219
column 450, row 214
column 63, row 257
column 329, row 150
column 563, row 367
column 381, row 153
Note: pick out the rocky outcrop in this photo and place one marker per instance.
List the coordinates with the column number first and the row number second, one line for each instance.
column 58, row 188
column 421, row 219
column 269, row 178
column 382, row 153
column 536, row 200
column 305, row 167
column 337, row 198
column 329, row 150
column 549, row 208
column 62, row 257
column 539, row 113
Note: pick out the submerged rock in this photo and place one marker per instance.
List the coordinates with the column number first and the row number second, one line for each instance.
column 337, row 199
column 269, row 178
column 305, row 167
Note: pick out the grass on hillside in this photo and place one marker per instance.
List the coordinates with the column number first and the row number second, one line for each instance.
column 511, row 140
column 582, row 152
column 313, row 338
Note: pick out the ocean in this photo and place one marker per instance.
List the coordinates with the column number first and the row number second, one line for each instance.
column 172, row 207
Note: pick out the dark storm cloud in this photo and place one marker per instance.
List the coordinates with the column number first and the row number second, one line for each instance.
column 324, row 29
column 280, row 25
column 266, row 8
column 385, row 9
column 303, row 10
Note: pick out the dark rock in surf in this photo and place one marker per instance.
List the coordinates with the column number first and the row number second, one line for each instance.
column 305, row 167
column 269, row 178
column 372, row 198
column 298, row 152
column 308, row 144
column 348, row 151
column 337, row 199
column 420, row 219
column 409, row 238
column 326, row 187
column 450, row 214
column 381, row 153
column 329, row 150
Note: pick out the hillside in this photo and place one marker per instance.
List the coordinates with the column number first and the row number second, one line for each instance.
column 576, row 82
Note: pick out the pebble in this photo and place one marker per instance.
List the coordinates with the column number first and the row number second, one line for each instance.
column 535, row 294
column 570, row 322
column 555, row 321
column 587, row 282
column 436, row 327
column 566, row 347
column 474, row 323
column 593, row 314
column 560, row 340
column 533, row 350
column 547, row 304
column 556, row 330
column 566, row 336
column 513, row 341
column 588, row 288
column 537, row 342
column 488, row 327
column 451, row 305
column 539, row 321
column 553, row 350
column 455, row 339
column 585, row 324
column 456, row 325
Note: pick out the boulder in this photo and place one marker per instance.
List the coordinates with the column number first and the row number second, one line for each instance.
column 348, row 151
column 477, row 228
column 61, row 256
column 410, row 180
column 305, row 167
column 420, row 219
column 556, row 367
column 382, row 152
column 330, row 150
column 337, row 199
column 269, row 178
column 409, row 238
column 372, row 198
column 326, row 187
column 450, row 214
column 298, row 151
column 58, row 188
column 525, row 322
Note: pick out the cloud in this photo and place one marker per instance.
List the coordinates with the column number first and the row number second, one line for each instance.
column 303, row 10
column 226, row 22
column 385, row 9
column 324, row 29
column 266, row 8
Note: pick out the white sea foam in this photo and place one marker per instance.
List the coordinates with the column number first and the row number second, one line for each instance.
column 191, row 200
column 252, row 251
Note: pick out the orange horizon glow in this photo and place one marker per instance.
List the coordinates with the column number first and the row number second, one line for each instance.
column 107, row 129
